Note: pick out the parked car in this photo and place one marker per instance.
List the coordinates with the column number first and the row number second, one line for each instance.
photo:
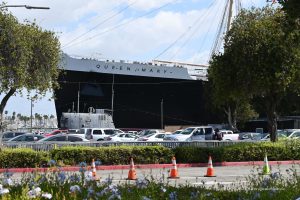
column 285, row 134
column 177, row 132
column 149, row 132
column 154, row 137
column 55, row 132
column 9, row 135
column 229, row 135
column 193, row 134
column 250, row 136
column 133, row 132
column 121, row 137
column 98, row 134
column 28, row 137
column 63, row 137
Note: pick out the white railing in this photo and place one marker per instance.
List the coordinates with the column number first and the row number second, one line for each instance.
column 170, row 144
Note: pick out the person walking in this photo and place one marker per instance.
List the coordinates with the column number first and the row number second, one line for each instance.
column 218, row 135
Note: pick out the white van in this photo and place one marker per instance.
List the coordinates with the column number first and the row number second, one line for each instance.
column 98, row 134
column 194, row 134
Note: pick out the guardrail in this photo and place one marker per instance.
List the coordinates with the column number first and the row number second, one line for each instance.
column 170, row 144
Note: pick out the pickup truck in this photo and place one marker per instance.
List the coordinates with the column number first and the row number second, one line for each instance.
column 229, row 135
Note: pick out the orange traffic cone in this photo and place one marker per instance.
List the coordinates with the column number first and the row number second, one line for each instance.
column 132, row 172
column 174, row 172
column 210, row 169
column 94, row 174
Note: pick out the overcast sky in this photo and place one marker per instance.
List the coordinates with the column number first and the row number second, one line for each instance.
column 142, row 30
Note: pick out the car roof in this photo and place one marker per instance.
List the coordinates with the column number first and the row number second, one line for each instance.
column 64, row 134
column 199, row 127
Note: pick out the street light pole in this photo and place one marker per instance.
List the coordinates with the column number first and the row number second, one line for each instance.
column 24, row 6
column 31, row 105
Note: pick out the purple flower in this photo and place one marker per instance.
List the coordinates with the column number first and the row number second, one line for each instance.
column 173, row 196
column 75, row 188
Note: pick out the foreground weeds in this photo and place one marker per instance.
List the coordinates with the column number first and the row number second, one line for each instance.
column 57, row 184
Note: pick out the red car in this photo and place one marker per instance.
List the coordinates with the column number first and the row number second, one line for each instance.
column 54, row 132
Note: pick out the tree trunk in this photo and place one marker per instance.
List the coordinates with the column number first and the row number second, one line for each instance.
column 231, row 118
column 272, row 121
column 2, row 106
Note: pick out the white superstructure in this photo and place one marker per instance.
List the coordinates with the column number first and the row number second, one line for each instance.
column 160, row 69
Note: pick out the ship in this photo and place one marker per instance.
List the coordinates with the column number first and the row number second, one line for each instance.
column 137, row 95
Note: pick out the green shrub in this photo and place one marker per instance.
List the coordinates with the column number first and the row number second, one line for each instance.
column 112, row 155
column 283, row 150
column 10, row 158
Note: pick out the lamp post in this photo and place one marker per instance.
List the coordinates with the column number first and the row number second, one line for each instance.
column 24, row 6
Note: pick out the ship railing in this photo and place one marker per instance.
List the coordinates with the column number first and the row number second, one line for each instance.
column 169, row 144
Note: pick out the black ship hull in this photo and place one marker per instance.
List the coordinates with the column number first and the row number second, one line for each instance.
column 138, row 101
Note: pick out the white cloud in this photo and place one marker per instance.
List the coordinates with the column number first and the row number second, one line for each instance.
column 150, row 4
column 143, row 39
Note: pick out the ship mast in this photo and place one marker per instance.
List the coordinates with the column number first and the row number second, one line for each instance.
column 224, row 25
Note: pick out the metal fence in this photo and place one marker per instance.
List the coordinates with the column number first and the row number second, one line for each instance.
column 49, row 146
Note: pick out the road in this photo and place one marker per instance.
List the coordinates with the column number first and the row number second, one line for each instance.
column 228, row 176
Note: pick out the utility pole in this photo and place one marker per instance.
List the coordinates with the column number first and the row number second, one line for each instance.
column 78, row 98
column 31, row 106
column 112, row 97
column 162, row 113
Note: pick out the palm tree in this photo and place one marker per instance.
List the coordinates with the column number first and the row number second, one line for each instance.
column 13, row 116
column 45, row 119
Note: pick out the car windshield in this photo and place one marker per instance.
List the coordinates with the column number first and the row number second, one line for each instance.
column 149, row 132
column 82, row 131
column 283, row 133
column 109, row 132
column 288, row 133
column 176, row 132
column 147, row 136
column 187, row 131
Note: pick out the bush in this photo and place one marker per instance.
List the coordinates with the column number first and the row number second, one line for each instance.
column 112, row 155
column 284, row 150
column 10, row 158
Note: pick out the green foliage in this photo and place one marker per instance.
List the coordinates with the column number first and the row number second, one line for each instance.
column 262, row 53
column 283, row 150
column 10, row 158
column 29, row 58
column 112, row 155
column 291, row 7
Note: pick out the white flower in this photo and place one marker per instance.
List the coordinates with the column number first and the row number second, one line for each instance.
column 3, row 191
column 88, row 176
column 34, row 193
column 37, row 190
column 8, row 181
column 47, row 195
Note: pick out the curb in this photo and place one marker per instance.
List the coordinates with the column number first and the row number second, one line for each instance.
column 151, row 166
